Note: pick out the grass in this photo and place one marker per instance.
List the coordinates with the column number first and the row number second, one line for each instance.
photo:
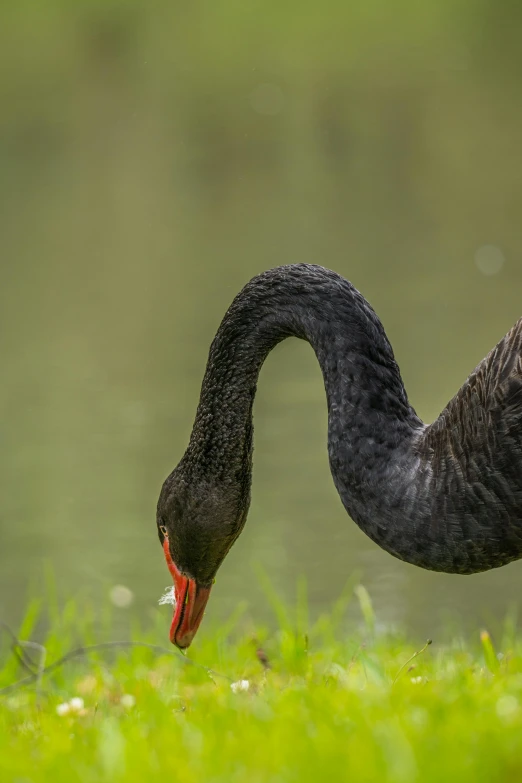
column 322, row 704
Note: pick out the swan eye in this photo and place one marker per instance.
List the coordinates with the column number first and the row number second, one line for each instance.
column 163, row 531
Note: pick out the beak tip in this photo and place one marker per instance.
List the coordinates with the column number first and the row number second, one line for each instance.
column 188, row 612
column 184, row 642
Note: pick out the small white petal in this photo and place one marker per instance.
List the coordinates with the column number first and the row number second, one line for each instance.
column 63, row 709
column 240, row 685
column 168, row 596
column 76, row 704
column 127, row 700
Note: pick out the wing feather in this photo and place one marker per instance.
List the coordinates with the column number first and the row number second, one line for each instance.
column 473, row 455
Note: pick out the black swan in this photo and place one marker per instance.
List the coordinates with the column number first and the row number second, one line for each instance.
column 446, row 497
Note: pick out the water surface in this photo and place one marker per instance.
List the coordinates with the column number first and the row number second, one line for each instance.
column 146, row 176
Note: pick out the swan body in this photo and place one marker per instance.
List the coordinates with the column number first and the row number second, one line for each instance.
column 445, row 497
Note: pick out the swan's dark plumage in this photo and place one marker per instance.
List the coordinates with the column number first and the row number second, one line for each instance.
column 446, row 497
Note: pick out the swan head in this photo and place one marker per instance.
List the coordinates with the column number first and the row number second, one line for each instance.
column 197, row 524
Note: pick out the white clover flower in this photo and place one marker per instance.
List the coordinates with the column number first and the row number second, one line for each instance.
column 127, row 700
column 240, row 685
column 75, row 704
column 168, row 596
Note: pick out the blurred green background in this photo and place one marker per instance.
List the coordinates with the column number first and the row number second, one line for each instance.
column 154, row 157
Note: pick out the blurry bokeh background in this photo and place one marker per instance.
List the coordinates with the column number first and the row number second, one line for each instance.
column 154, row 157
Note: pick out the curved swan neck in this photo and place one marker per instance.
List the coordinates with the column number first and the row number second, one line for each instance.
column 445, row 497
column 369, row 413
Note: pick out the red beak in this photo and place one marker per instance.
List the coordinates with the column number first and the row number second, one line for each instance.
column 191, row 600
